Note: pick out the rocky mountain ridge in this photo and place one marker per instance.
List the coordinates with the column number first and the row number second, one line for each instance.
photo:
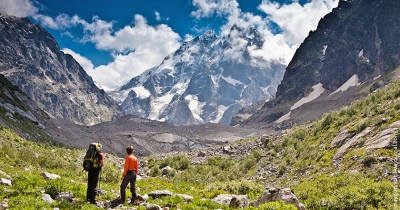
column 348, row 56
column 208, row 79
column 31, row 59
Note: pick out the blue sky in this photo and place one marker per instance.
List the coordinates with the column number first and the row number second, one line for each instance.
column 115, row 40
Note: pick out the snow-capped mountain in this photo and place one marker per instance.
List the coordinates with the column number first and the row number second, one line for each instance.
column 208, row 79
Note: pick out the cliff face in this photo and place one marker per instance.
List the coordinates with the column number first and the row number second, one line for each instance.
column 351, row 53
column 31, row 59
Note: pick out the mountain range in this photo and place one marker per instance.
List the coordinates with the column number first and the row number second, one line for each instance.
column 204, row 82
column 208, row 79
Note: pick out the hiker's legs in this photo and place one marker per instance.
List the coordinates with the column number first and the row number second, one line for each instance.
column 133, row 187
column 124, row 183
column 93, row 179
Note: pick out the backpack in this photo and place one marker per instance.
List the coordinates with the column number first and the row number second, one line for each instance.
column 90, row 161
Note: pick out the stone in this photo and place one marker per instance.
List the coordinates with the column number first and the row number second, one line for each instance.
column 153, row 207
column 47, row 198
column 166, row 170
column 65, row 196
column 186, row 198
column 48, row 176
column 3, row 205
column 223, row 199
column 160, row 193
column 5, row 182
column 239, row 201
column 278, row 194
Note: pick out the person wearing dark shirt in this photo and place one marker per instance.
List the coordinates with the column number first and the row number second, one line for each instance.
column 93, row 178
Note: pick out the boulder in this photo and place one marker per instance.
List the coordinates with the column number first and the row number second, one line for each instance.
column 160, row 193
column 186, row 198
column 48, row 176
column 278, row 194
column 5, row 182
column 3, row 205
column 65, row 196
column 47, row 198
column 153, row 207
column 234, row 201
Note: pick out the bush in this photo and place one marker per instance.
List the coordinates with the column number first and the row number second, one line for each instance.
column 277, row 205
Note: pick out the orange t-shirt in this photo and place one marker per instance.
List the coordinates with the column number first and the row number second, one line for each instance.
column 131, row 164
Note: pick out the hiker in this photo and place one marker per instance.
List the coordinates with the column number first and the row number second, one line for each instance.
column 131, row 168
column 93, row 177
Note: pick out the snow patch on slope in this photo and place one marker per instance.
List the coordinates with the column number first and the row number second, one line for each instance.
column 353, row 81
column 141, row 92
column 195, row 106
column 221, row 111
column 318, row 90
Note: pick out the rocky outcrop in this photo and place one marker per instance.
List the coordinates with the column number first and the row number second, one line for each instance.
column 31, row 59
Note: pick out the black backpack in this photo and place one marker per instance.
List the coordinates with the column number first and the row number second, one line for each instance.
column 91, row 162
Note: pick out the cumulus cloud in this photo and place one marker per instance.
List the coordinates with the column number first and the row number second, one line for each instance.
column 294, row 20
column 19, row 8
column 83, row 61
column 135, row 48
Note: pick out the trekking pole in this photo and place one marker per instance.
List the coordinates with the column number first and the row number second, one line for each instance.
column 98, row 191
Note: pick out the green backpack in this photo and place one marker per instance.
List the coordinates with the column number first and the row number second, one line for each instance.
column 90, row 160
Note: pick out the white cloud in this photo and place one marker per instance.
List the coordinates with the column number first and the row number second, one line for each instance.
column 19, row 8
column 158, row 18
column 83, row 61
column 295, row 22
column 134, row 48
column 206, row 8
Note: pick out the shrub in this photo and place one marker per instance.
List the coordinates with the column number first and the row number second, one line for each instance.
column 54, row 187
column 277, row 205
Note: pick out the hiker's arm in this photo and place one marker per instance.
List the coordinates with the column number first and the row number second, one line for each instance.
column 101, row 160
column 126, row 164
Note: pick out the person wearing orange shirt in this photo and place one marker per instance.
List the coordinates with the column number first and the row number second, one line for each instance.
column 131, row 168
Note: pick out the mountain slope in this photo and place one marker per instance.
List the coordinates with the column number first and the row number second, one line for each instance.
column 349, row 55
column 208, row 79
column 31, row 59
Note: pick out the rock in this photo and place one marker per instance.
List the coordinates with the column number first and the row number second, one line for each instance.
column 201, row 154
column 47, row 198
column 5, row 182
column 384, row 139
column 3, row 205
column 301, row 206
column 234, row 201
column 278, row 194
column 228, row 149
column 350, row 143
column 186, row 198
column 153, row 207
column 239, row 201
column 48, row 176
column 166, row 170
column 160, row 193
column 64, row 196
column 223, row 199
column 341, row 138
column 142, row 198
column 100, row 191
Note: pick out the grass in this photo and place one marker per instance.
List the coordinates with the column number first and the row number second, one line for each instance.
column 302, row 158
